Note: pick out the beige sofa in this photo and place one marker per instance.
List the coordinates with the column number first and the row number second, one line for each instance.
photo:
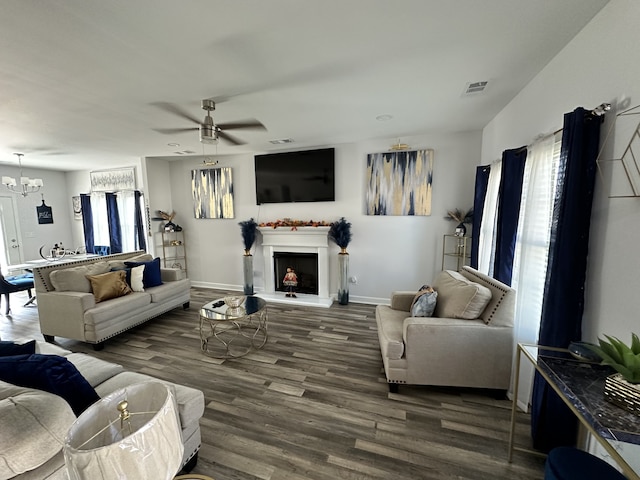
column 449, row 351
column 72, row 311
column 33, row 423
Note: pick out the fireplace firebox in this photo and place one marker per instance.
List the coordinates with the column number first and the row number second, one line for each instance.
column 304, row 264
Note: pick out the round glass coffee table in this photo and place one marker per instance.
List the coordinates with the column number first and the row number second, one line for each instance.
column 227, row 332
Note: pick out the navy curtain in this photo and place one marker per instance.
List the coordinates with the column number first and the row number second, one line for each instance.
column 509, row 194
column 482, row 180
column 87, row 221
column 552, row 424
column 115, row 231
column 141, row 243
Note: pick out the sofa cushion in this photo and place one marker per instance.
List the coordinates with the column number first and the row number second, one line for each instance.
column 167, row 291
column 52, row 374
column 119, row 264
column 8, row 349
column 459, row 297
column 34, row 424
column 424, row 303
column 151, row 276
column 75, row 279
column 109, row 285
column 94, row 370
column 106, row 312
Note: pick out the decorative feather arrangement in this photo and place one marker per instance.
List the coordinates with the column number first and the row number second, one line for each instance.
column 340, row 233
column 248, row 229
column 460, row 216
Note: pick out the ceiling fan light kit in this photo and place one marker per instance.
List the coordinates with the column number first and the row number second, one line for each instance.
column 210, row 132
column 27, row 185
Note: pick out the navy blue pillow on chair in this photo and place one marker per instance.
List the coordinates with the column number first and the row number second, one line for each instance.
column 11, row 348
column 51, row 373
column 151, row 276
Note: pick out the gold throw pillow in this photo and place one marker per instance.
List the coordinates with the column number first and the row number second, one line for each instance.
column 109, row 285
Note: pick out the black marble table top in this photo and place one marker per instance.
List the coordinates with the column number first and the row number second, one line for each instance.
column 583, row 385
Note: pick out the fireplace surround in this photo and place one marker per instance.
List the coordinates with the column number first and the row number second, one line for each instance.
column 300, row 240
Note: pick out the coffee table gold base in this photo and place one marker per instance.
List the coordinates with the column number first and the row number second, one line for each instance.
column 233, row 333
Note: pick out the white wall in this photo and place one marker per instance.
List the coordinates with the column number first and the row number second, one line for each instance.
column 387, row 253
column 55, row 195
column 598, row 65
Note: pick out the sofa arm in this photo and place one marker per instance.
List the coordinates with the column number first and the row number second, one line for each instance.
column 402, row 300
column 62, row 313
column 457, row 352
column 171, row 274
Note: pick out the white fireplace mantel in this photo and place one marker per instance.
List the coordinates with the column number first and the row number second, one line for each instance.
column 296, row 240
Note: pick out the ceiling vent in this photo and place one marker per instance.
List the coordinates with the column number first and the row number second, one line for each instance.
column 281, row 141
column 474, row 88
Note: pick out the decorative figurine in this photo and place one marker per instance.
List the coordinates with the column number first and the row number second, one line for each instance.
column 291, row 282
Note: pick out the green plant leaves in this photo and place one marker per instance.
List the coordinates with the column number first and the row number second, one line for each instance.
column 625, row 360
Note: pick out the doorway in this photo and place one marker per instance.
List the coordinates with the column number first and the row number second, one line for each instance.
column 10, row 241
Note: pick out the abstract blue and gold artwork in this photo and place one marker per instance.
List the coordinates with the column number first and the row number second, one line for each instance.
column 399, row 182
column 212, row 193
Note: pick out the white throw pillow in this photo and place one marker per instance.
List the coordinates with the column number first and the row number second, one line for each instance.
column 136, row 278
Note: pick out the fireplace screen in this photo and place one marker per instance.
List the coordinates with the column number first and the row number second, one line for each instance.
column 304, row 264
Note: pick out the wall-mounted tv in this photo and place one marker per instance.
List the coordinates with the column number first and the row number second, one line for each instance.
column 305, row 176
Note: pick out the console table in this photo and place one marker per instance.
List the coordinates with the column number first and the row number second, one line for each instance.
column 581, row 386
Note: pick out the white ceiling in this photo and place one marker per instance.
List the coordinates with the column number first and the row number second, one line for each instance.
column 79, row 78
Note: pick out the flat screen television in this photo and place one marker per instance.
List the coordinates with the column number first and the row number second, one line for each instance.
column 305, row 176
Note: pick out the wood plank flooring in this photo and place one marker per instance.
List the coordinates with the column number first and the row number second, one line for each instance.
column 313, row 404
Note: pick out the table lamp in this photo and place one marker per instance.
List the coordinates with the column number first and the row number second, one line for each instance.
column 133, row 433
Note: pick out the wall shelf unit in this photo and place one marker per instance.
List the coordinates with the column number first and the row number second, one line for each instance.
column 456, row 252
column 174, row 253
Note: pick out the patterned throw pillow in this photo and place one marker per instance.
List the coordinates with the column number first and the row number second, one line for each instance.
column 424, row 303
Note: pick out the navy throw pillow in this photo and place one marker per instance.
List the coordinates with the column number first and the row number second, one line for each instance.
column 51, row 373
column 11, row 348
column 151, row 276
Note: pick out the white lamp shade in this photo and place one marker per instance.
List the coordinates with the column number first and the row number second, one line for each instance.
column 95, row 448
column 9, row 181
column 24, row 180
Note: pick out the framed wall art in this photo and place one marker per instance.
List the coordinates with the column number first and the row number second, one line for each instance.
column 113, row 180
column 212, row 191
column 399, row 182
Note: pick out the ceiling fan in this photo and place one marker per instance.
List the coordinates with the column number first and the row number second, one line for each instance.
column 210, row 132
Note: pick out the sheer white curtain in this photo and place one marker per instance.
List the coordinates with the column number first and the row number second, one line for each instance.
column 532, row 247
column 486, row 239
column 126, row 211
column 100, row 219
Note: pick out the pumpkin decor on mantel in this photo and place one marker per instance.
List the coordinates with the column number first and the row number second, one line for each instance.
column 622, row 388
column 340, row 233
column 248, row 229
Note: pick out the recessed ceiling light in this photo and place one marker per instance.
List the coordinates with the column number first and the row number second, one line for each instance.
column 281, row 141
column 384, row 118
column 173, row 144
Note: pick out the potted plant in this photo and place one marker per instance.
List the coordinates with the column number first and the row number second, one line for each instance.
column 461, row 217
column 622, row 388
column 248, row 229
column 340, row 233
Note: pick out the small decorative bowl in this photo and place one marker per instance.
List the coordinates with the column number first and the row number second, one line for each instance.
column 234, row 301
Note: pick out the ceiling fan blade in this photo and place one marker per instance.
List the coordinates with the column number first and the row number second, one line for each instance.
column 230, row 139
column 251, row 123
column 173, row 131
column 176, row 110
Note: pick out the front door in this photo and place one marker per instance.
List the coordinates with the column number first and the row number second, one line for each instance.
column 11, row 248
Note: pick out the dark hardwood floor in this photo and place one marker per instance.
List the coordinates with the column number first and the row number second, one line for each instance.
column 313, row 403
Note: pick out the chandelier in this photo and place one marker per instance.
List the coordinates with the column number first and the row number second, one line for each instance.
column 27, row 185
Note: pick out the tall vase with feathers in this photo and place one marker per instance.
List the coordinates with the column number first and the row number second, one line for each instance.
column 340, row 233
column 248, row 229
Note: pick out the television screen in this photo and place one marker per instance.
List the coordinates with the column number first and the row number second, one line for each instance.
column 306, row 176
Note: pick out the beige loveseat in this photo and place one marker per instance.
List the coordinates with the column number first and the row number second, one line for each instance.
column 68, row 308
column 445, row 350
column 33, row 423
